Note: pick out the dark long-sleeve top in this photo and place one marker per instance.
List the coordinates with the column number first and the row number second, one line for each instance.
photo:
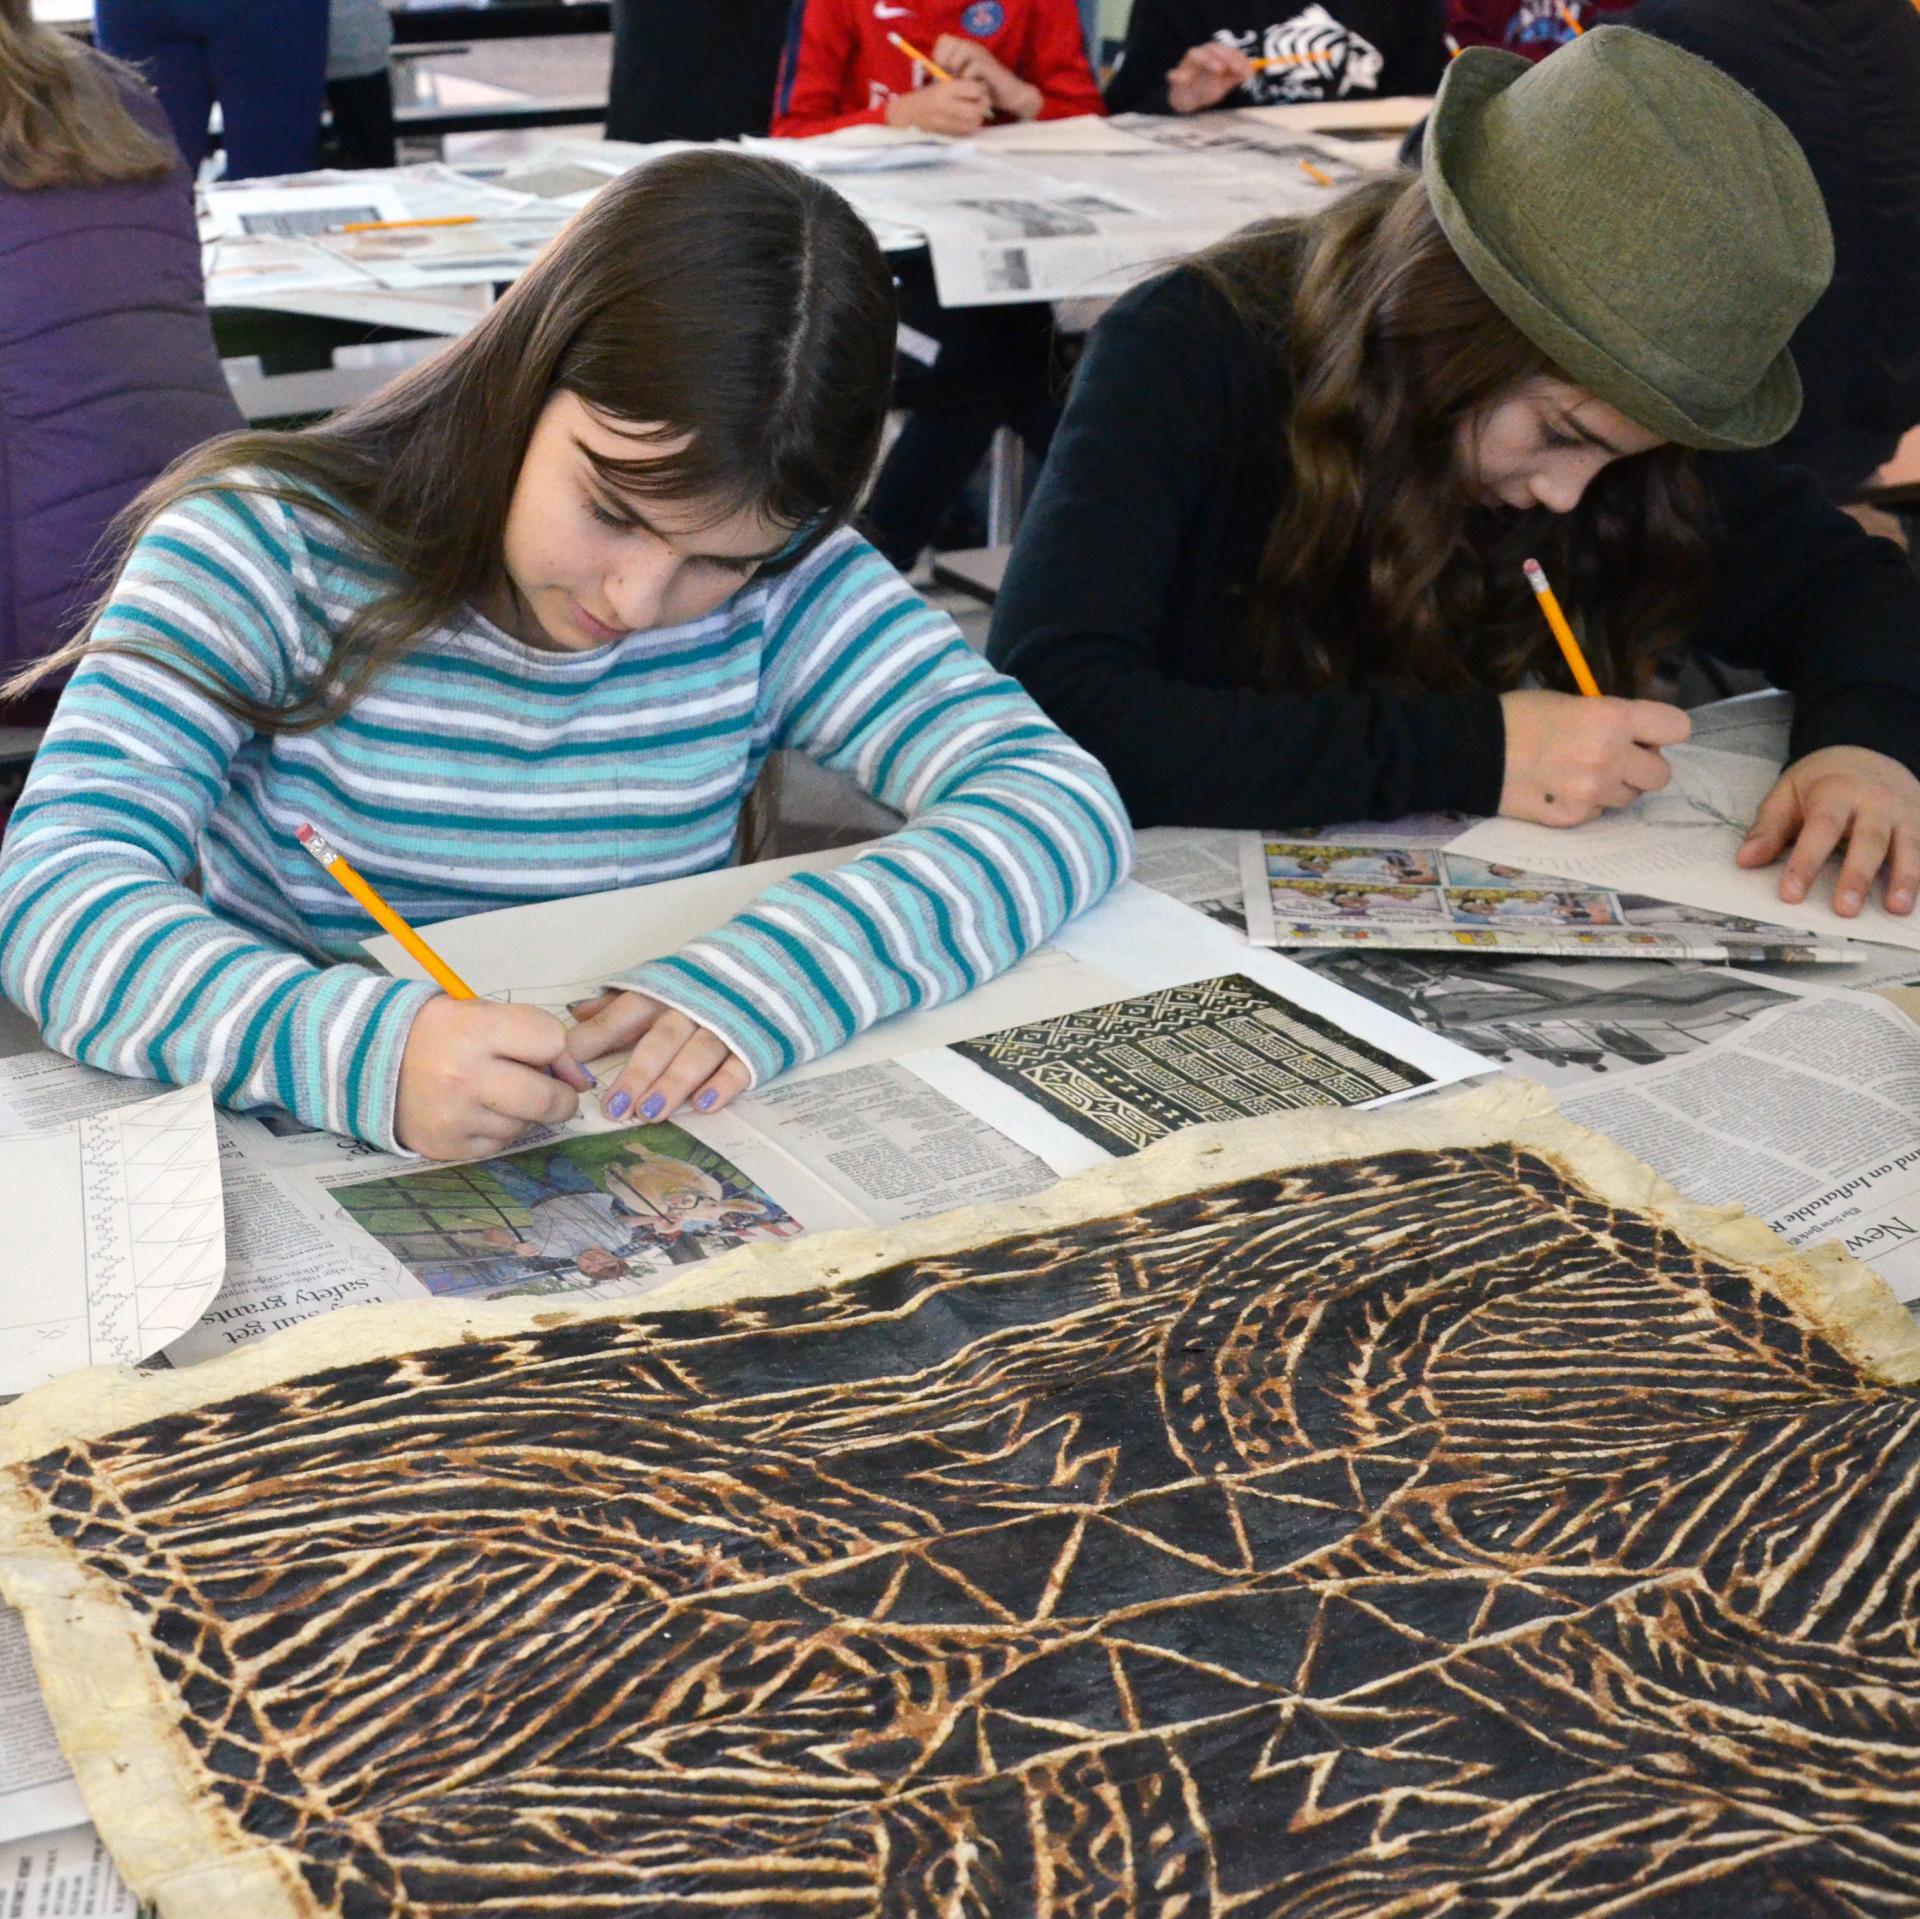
column 1128, row 584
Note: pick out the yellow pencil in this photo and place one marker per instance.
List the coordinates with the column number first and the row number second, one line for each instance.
column 1453, row 45
column 1287, row 60
column 1315, row 173
column 1550, row 606
column 329, row 857
column 1567, row 14
column 387, row 226
column 920, row 59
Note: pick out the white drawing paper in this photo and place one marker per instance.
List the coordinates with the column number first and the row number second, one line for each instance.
column 116, row 1236
column 1679, row 845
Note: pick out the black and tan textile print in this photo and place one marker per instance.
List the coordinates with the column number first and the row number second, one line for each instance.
column 1131, row 1072
column 1412, row 1533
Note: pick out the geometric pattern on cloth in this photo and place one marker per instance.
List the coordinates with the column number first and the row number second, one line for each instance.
column 1428, row 1529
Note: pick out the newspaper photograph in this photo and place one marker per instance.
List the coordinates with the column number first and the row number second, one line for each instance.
column 421, row 256
column 1397, row 885
column 1567, row 1023
column 1808, row 1116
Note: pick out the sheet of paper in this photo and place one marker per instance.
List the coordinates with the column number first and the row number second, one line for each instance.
column 1397, row 884
column 1083, row 133
column 830, row 154
column 1808, row 1116
column 62, row 1875
column 1679, row 845
column 300, row 208
column 286, row 1260
column 116, row 1235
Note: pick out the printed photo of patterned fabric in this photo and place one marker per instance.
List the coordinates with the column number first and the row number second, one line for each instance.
column 1424, row 1512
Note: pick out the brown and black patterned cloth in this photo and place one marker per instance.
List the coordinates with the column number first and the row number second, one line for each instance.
column 1413, row 1534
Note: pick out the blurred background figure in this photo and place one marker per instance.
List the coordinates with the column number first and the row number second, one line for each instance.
column 694, row 69
column 263, row 61
column 359, row 84
column 98, row 392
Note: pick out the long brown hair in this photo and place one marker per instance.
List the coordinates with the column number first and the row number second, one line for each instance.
column 1378, row 566
column 63, row 116
column 734, row 304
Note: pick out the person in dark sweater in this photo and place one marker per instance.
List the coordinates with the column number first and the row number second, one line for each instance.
column 1845, row 77
column 700, row 72
column 1183, row 56
column 1272, row 575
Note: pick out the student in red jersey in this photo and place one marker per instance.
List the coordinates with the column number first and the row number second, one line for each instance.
column 1010, row 60
column 1533, row 28
column 961, row 372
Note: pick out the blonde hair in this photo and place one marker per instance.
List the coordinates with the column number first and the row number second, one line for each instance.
column 63, row 119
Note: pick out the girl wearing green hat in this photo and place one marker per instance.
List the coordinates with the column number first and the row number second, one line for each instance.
column 1272, row 575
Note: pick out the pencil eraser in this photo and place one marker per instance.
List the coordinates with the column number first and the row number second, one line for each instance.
column 303, row 833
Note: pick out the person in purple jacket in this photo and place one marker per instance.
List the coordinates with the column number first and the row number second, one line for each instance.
column 107, row 364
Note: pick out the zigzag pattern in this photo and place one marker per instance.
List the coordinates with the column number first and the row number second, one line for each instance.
column 1413, row 1534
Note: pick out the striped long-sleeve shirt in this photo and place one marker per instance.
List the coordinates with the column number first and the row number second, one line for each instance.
column 479, row 772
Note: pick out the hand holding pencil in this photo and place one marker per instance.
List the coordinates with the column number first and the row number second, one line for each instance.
column 474, row 1076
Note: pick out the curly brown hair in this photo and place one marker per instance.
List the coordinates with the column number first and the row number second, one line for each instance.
column 1378, row 566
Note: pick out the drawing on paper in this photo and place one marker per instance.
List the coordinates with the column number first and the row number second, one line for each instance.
column 1131, row 1072
column 1319, row 1539
column 118, row 1235
column 585, row 1212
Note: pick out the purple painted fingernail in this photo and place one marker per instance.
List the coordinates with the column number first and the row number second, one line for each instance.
column 618, row 1104
column 704, row 1104
column 656, row 1105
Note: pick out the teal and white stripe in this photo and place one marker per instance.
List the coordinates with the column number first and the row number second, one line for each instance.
column 480, row 772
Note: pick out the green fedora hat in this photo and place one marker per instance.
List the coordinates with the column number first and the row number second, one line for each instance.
column 1643, row 220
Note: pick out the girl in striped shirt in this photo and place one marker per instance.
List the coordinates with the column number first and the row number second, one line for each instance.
column 526, row 624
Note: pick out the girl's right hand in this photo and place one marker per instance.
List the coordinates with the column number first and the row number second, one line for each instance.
column 1570, row 758
column 474, row 1078
column 957, row 107
column 1206, row 75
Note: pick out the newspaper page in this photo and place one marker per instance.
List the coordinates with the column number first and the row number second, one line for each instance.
column 1567, row 1023
column 1398, row 885
column 1679, row 844
column 1008, row 226
column 1808, row 1116
column 38, row 1792
column 62, row 1875
column 1199, row 867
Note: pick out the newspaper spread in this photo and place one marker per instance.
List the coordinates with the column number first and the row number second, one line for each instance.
column 1397, row 885
column 64, row 1874
column 1004, row 225
column 1808, row 1116
column 1568, row 1023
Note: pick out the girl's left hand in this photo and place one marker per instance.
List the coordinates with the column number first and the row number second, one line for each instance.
column 674, row 1060
column 1842, row 793
column 968, row 60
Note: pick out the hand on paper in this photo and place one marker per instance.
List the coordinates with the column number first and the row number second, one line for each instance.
column 968, row 60
column 1569, row 758
column 673, row 1062
column 955, row 107
column 474, row 1077
column 1842, row 793
column 1206, row 75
